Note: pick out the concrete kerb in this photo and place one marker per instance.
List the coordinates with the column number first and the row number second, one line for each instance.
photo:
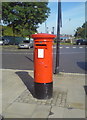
column 16, row 70
column 60, row 73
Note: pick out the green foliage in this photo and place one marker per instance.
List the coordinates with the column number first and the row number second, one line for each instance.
column 81, row 32
column 0, row 11
column 7, row 31
column 24, row 17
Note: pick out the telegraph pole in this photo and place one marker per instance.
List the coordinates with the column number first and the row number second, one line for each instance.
column 59, row 24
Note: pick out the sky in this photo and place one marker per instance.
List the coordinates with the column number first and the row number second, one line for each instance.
column 73, row 16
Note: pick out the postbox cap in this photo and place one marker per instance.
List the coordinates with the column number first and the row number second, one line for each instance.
column 43, row 36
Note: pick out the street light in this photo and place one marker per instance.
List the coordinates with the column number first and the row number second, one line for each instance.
column 59, row 24
column 52, row 30
column 45, row 27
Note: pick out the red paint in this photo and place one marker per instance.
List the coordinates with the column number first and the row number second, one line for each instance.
column 43, row 59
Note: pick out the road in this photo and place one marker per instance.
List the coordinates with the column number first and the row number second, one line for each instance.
column 72, row 59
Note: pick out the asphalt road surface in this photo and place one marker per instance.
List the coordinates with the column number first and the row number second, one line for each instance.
column 72, row 59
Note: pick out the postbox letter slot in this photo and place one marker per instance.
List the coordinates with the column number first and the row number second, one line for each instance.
column 41, row 45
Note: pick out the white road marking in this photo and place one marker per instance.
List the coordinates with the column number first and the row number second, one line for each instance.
column 54, row 46
column 32, row 53
column 27, row 53
column 67, row 47
column 74, row 47
column 73, row 53
column 80, row 47
column 70, row 47
column 61, row 47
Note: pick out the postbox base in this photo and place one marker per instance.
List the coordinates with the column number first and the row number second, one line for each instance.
column 43, row 90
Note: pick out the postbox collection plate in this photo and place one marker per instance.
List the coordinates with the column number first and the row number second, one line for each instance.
column 40, row 53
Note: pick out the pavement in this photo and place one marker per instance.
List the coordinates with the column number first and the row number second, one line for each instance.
column 18, row 99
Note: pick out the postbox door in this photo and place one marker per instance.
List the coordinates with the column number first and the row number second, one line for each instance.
column 43, row 63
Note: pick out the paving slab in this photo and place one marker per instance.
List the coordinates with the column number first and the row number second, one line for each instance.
column 69, row 80
column 19, row 110
column 74, row 83
column 12, row 87
column 57, row 112
column 41, row 111
column 74, row 113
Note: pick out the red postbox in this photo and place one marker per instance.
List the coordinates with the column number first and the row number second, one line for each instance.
column 43, row 60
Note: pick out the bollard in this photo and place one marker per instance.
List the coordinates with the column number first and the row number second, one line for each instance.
column 43, row 60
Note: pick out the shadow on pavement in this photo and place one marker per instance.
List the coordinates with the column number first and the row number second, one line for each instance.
column 27, row 80
column 85, row 87
column 83, row 65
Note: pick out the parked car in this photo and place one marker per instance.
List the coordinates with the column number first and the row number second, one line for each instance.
column 1, row 42
column 81, row 42
column 5, row 41
column 25, row 44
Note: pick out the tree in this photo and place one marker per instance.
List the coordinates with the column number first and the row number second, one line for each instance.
column 81, row 32
column 7, row 31
column 24, row 17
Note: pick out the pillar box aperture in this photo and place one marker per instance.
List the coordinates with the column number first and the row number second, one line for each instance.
column 43, row 60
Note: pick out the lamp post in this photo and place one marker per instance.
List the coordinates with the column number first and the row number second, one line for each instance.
column 59, row 24
column 52, row 30
column 45, row 27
